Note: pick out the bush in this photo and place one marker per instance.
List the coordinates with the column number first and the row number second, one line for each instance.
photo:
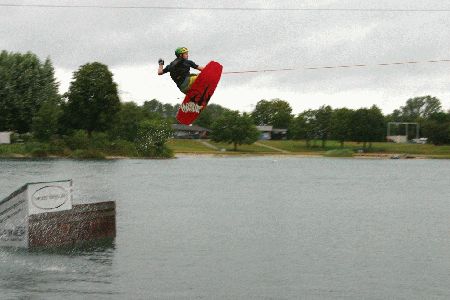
column 78, row 140
column 12, row 149
column 32, row 146
column 123, row 148
column 58, row 147
column 87, row 154
column 38, row 153
column 163, row 152
column 339, row 153
column 99, row 140
column 151, row 138
column 36, row 149
column 21, row 138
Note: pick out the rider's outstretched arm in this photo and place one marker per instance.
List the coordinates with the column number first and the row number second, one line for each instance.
column 161, row 66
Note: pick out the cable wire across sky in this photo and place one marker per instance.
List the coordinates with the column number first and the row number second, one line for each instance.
column 287, row 9
column 275, row 9
column 339, row 66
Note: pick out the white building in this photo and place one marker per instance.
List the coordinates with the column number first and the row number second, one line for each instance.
column 5, row 137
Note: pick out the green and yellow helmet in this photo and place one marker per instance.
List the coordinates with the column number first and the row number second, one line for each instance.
column 181, row 50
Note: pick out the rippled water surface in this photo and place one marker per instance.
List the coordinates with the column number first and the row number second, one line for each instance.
column 246, row 228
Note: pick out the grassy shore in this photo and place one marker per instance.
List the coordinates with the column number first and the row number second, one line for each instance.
column 332, row 149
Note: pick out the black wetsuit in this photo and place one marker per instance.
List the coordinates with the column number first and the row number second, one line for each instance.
column 179, row 69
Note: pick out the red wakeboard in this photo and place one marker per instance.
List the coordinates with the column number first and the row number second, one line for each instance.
column 197, row 97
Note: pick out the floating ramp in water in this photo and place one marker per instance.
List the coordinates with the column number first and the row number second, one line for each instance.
column 41, row 215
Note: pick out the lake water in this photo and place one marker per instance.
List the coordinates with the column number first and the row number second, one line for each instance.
column 246, row 228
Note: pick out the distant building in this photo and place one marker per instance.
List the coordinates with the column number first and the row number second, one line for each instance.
column 5, row 137
column 265, row 132
column 279, row 134
column 397, row 138
column 181, row 131
column 270, row 133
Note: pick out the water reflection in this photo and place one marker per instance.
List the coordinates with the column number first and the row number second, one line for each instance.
column 58, row 272
column 246, row 228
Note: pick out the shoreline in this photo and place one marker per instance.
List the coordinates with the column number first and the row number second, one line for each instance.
column 303, row 155
column 381, row 156
column 193, row 153
column 197, row 148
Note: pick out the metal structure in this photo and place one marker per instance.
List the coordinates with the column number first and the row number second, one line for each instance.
column 388, row 135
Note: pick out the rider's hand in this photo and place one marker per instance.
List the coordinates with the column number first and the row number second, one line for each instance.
column 161, row 62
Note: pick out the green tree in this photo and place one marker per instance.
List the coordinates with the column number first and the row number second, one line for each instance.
column 377, row 123
column 262, row 114
column 152, row 136
column 323, row 123
column 304, row 127
column 437, row 128
column 297, row 128
column 234, row 128
column 25, row 84
column 48, row 84
column 341, row 124
column 420, row 108
column 395, row 116
column 360, row 127
column 153, row 109
column 169, row 111
column 282, row 114
column 92, row 99
column 368, row 125
column 211, row 113
column 46, row 120
column 126, row 122
column 275, row 112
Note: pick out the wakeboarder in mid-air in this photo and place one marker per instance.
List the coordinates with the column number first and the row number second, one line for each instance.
column 198, row 88
column 179, row 69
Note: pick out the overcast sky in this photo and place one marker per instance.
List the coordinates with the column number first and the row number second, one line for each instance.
column 130, row 41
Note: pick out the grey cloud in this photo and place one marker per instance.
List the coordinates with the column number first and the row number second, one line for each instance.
column 244, row 40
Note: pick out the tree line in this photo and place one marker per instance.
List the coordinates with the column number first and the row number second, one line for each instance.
column 30, row 103
column 365, row 125
column 90, row 116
